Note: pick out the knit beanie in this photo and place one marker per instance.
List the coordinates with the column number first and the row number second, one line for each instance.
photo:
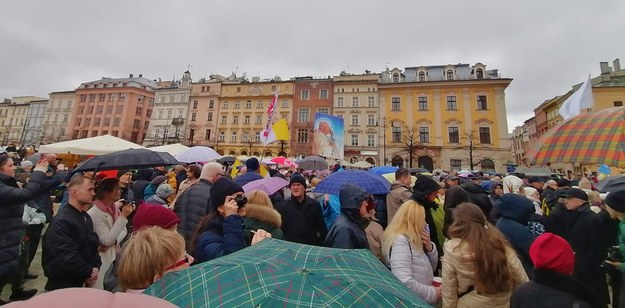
column 616, row 200
column 252, row 164
column 164, row 191
column 222, row 188
column 551, row 252
column 26, row 163
column 425, row 184
column 297, row 178
column 149, row 215
column 121, row 172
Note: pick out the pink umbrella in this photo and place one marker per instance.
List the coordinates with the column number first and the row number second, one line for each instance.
column 283, row 161
column 268, row 185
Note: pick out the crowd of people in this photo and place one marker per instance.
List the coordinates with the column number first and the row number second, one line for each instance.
column 456, row 241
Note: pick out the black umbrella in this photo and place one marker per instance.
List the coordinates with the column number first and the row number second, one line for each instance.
column 227, row 160
column 611, row 184
column 127, row 159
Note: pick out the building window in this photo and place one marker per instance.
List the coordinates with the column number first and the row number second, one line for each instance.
column 455, row 164
column 421, row 76
column 371, row 101
column 238, row 89
column 488, row 166
column 223, row 119
column 116, row 121
column 193, row 116
column 233, row 137
column 323, row 94
column 259, row 119
column 450, row 75
column 257, row 137
column 260, row 104
column 222, row 136
column 396, row 133
column 485, row 135
column 235, row 119
column 424, row 134
column 138, row 110
column 237, row 105
column 207, row 136
column 339, row 102
column 354, row 140
column 355, row 101
column 169, row 114
column 88, row 122
column 323, row 110
column 248, row 105
column 210, row 117
column 371, row 119
column 285, row 103
column 302, row 135
column 247, row 120
column 96, row 122
column 618, row 103
column 211, row 104
column 107, row 122
column 481, row 102
column 303, row 115
column 355, row 119
column 122, row 97
column 194, row 104
column 454, row 135
column 225, row 105
column 305, row 95
column 451, row 103
column 396, row 77
column 370, row 140
column 395, row 104
column 479, row 73
column 273, row 88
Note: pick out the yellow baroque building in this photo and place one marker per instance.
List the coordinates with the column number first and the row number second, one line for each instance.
column 449, row 117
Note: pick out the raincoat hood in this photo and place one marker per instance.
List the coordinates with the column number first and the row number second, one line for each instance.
column 351, row 197
column 515, row 207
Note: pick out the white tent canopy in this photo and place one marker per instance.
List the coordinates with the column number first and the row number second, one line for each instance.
column 173, row 149
column 99, row 145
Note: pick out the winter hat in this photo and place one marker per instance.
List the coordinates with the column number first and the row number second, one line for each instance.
column 297, row 178
column 164, row 191
column 616, row 200
column 158, row 180
column 222, row 188
column 121, row 172
column 149, row 215
column 426, row 185
column 551, row 252
column 512, row 181
column 252, row 164
column 26, row 163
column 529, row 191
column 577, row 193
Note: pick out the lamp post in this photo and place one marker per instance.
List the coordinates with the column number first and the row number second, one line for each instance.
column 384, row 136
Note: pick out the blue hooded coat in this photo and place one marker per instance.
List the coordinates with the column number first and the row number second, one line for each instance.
column 348, row 230
column 515, row 212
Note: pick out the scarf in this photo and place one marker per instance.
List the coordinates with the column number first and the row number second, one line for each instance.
column 111, row 210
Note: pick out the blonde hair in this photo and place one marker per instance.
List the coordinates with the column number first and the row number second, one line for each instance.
column 315, row 181
column 259, row 198
column 146, row 255
column 409, row 221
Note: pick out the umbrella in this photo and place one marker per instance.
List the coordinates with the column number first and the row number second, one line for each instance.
column 313, row 163
column 611, row 184
column 99, row 145
column 132, row 158
column 370, row 182
column 198, row 154
column 391, row 178
column 227, row 160
column 268, row 185
column 276, row 273
column 383, row 169
column 592, row 138
column 362, row 165
column 173, row 149
column 283, row 161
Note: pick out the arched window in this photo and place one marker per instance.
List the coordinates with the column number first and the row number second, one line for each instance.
column 232, row 152
column 244, row 152
column 268, row 154
column 488, row 166
column 397, row 161
column 479, row 73
column 256, row 153
column 450, row 75
column 396, row 77
column 421, row 76
column 370, row 160
column 353, row 160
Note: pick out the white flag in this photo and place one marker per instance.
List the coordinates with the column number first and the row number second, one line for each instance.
column 582, row 98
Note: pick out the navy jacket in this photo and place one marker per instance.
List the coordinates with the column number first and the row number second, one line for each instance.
column 247, row 177
column 222, row 237
column 515, row 212
column 348, row 230
column 550, row 289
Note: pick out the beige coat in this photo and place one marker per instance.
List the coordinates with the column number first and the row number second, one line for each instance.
column 109, row 235
column 459, row 275
column 374, row 233
column 399, row 194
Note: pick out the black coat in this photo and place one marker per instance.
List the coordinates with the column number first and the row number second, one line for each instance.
column 43, row 200
column 70, row 249
column 478, row 196
column 11, row 224
column 348, row 230
column 303, row 222
column 550, row 289
column 192, row 205
column 585, row 232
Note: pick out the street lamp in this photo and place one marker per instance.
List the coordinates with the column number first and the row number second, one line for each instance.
column 384, row 133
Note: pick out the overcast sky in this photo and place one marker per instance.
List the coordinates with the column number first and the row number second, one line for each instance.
column 545, row 46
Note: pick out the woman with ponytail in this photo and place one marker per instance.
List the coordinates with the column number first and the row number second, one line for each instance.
column 480, row 268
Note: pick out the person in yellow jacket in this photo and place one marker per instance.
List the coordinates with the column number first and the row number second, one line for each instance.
column 171, row 180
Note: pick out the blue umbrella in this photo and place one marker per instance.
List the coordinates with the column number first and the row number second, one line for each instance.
column 383, row 169
column 370, row 182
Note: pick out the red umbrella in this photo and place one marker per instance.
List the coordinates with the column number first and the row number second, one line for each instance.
column 283, row 161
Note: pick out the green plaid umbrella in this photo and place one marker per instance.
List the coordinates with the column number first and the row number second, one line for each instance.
column 592, row 138
column 275, row 273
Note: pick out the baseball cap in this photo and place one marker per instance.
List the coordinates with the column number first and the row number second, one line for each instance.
column 577, row 193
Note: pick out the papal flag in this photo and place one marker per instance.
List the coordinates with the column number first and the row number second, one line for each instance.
column 582, row 98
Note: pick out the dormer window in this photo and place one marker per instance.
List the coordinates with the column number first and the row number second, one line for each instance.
column 421, row 76
column 479, row 73
column 450, row 75
column 395, row 77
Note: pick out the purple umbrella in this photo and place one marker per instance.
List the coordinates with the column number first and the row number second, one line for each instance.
column 268, row 185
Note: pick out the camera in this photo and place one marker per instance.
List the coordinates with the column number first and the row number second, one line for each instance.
column 240, row 200
column 614, row 254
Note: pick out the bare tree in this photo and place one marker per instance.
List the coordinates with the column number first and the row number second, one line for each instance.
column 410, row 140
column 469, row 144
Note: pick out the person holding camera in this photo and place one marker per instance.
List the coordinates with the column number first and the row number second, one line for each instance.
column 221, row 231
column 110, row 217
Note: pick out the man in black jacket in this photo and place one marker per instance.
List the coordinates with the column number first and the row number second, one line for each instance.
column 302, row 219
column 70, row 246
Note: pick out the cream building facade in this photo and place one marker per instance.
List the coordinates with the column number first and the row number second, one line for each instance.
column 13, row 115
column 34, row 123
column 170, row 113
column 57, row 115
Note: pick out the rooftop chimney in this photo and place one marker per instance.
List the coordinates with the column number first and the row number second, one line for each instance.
column 617, row 65
column 140, row 75
column 131, row 75
column 605, row 68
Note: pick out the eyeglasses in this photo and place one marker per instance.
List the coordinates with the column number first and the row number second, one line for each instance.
column 184, row 261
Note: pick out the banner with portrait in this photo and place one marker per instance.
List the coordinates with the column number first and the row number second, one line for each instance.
column 328, row 136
